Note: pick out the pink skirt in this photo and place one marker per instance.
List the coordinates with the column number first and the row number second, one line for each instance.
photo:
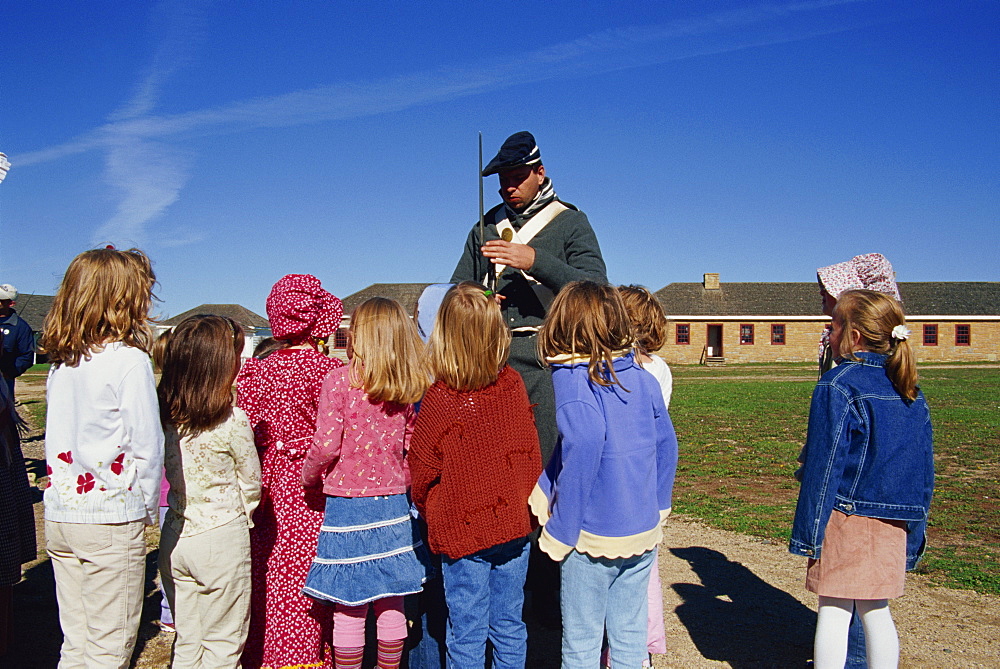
column 862, row 558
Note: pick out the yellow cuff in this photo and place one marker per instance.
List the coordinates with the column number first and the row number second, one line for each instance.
column 555, row 549
column 539, row 505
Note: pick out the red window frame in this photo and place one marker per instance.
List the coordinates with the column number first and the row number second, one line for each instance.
column 746, row 328
column 340, row 338
column 963, row 334
column 682, row 334
column 930, row 334
column 778, row 334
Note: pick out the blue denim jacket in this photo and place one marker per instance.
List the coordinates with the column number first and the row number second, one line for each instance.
column 869, row 452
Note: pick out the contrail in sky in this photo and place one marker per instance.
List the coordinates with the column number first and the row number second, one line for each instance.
column 151, row 173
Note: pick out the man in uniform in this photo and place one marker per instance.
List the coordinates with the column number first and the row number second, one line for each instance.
column 18, row 339
column 534, row 245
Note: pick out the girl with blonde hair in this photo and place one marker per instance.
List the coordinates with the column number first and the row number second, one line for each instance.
column 214, row 475
column 474, row 460
column 867, row 480
column 608, row 486
column 104, row 450
column 369, row 551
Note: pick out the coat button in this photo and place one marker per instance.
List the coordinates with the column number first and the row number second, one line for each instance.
column 848, row 507
column 810, row 552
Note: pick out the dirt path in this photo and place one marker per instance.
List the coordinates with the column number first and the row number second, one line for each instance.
column 739, row 601
column 730, row 600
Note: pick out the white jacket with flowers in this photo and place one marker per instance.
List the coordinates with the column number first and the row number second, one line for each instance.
column 103, row 441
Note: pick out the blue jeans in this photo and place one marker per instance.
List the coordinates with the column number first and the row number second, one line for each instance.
column 856, row 651
column 485, row 594
column 430, row 615
column 602, row 594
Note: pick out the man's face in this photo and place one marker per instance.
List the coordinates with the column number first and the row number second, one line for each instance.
column 5, row 306
column 829, row 301
column 519, row 186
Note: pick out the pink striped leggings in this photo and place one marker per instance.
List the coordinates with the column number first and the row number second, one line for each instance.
column 349, row 622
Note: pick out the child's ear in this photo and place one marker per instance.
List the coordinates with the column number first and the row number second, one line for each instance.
column 856, row 340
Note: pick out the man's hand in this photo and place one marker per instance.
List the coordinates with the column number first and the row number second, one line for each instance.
column 518, row 256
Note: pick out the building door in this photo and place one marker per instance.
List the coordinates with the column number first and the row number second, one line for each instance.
column 714, row 340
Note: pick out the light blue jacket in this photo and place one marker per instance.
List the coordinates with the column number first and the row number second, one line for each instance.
column 609, row 484
column 869, row 452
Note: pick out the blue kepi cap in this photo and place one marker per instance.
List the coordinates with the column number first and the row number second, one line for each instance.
column 519, row 150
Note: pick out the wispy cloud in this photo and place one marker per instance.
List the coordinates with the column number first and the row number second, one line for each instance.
column 148, row 174
column 151, row 174
column 182, row 27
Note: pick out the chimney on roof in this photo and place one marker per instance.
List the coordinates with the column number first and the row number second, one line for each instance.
column 711, row 281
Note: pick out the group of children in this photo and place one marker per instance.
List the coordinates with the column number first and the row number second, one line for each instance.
column 322, row 461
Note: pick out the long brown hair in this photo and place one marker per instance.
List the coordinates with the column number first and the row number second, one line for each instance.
column 386, row 353
column 587, row 319
column 104, row 297
column 873, row 315
column 470, row 342
column 199, row 363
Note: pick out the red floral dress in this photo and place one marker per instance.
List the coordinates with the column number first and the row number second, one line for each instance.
column 280, row 395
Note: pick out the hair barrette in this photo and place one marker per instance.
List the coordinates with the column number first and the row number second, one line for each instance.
column 901, row 332
column 488, row 293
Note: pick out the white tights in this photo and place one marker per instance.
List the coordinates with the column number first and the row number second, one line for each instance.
column 881, row 640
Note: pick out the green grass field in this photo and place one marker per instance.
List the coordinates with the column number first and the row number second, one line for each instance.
column 741, row 427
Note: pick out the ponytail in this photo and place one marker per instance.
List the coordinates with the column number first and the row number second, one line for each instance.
column 901, row 368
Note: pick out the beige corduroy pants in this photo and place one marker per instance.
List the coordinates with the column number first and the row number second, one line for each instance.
column 206, row 577
column 99, row 572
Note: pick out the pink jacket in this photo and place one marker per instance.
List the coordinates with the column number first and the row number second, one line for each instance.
column 359, row 446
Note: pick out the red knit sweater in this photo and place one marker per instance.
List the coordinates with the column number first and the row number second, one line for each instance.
column 474, row 459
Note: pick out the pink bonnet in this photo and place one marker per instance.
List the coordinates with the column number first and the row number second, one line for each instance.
column 871, row 271
column 298, row 308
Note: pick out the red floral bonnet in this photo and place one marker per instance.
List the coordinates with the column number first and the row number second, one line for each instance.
column 299, row 308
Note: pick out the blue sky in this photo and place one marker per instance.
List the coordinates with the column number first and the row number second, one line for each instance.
column 237, row 142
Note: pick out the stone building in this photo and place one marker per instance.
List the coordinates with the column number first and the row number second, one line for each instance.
column 741, row 322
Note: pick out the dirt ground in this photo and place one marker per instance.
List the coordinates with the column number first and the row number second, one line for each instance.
column 731, row 601
column 739, row 601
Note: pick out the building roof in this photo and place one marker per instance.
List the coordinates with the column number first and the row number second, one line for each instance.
column 34, row 309
column 406, row 294
column 741, row 299
column 240, row 314
column 958, row 298
column 938, row 298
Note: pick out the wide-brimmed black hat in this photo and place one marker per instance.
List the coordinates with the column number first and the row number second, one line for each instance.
column 519, row 149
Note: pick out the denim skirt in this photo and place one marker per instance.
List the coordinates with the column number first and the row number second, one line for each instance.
column 369, row 548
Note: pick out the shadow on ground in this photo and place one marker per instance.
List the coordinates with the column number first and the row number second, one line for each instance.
column 36, row 636
column 736, row 617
